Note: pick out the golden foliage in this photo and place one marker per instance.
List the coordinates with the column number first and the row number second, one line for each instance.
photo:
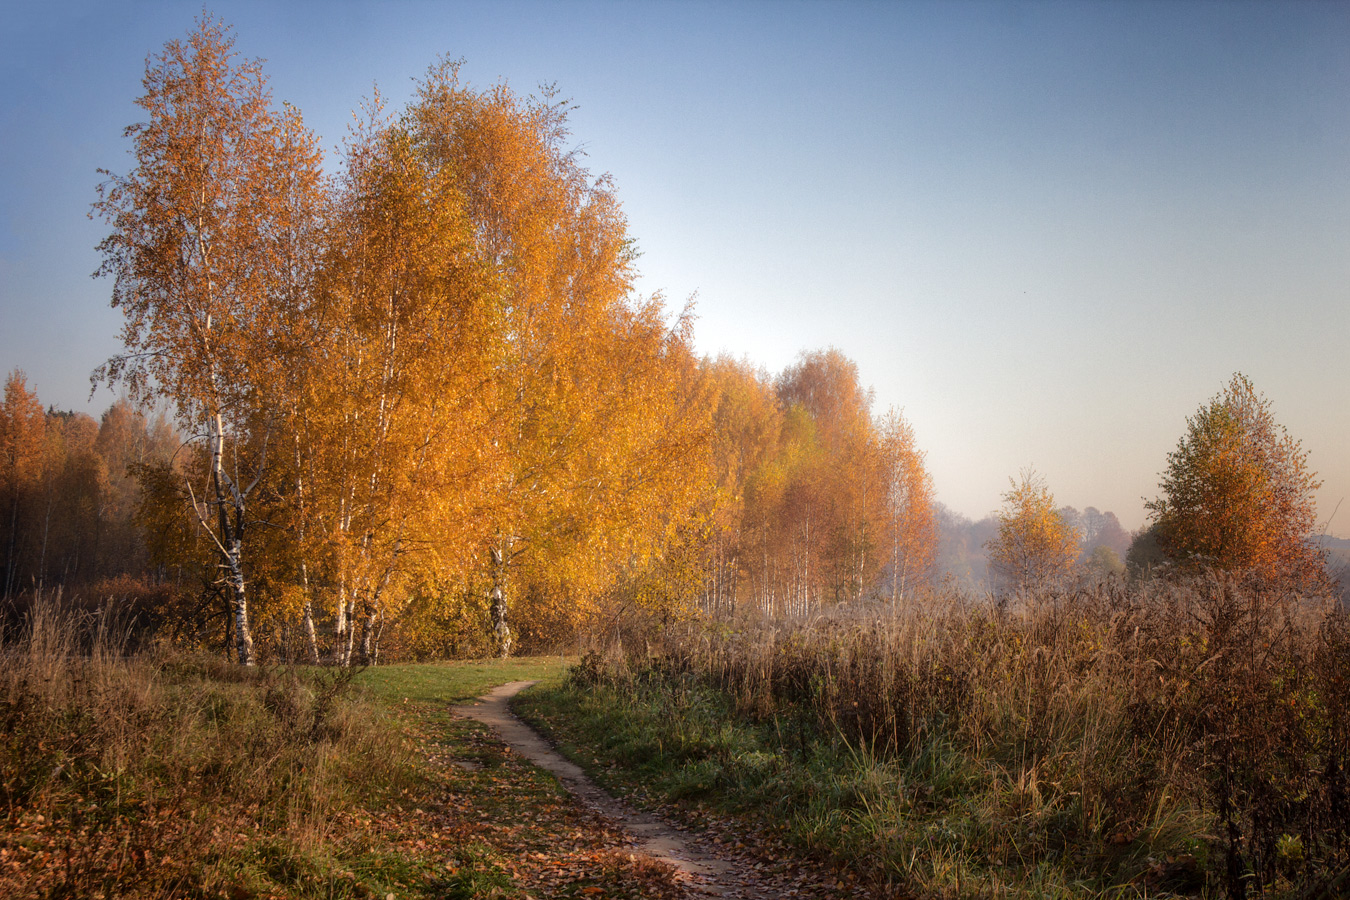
column 1034, row 547
column 1238, row 495
column 428, row 379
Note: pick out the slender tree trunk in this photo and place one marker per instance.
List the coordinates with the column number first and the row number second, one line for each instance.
column 230, row 541
column 13, row 529
column 46, row 533
column 311, row 636
column 243, row 637
column 340, row 626
column 497, row 602
column 307, row 618
column 368, row 639
column 350, row 643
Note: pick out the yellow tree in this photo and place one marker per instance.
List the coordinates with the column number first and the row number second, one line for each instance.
column 747, row 428
column 394, row 405
column 909, row 523
column 1238, row 494
column 22, row 442
column 1034, row 548
column 74, row 514
column 204, row 252
column 127, row 441
column 572, row 434
column 836, row 495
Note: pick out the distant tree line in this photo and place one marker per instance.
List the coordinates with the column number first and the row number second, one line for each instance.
column 1096, row 546
column 1237, row 496
column 69, row 491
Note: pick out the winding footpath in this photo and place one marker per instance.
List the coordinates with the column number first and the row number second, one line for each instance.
column 701, row 869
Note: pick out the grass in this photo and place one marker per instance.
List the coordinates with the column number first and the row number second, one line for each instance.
column 457, row 681
column 1105, row 743
column 1177, row 739
column 169, row 775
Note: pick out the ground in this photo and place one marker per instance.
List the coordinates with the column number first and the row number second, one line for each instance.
column 506, row 828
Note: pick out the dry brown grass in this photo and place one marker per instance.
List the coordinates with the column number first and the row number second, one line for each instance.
column 1186, row 735
column 168, row 775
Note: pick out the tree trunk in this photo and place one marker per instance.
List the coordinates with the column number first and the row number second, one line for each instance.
column 350, row 644
column 243, row 636
column 340, row 628
column 307, row 621
column 497, row 603
column 13, row 530
column 311, row 637
column 368, row 640
column 46, row 533
column 230, row 541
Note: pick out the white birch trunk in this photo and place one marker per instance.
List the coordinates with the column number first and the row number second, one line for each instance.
column 311, row 636
column 369, row 644
column 341, row 627
column 229, row 541
column 497, row 603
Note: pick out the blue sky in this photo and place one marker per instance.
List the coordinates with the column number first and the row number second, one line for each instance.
column 1048, row 231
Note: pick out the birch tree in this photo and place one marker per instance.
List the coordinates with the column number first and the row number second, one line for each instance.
column 396, row 401
column 564, row 407
column 909, row 522
column 1035, row 548
column 1238, row 493
column 22, row 437
column 203, row 251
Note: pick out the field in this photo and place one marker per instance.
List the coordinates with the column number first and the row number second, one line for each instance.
column 1188, row 740
column 1179, row 740
column 171, row 775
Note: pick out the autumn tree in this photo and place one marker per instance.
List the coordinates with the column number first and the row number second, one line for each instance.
column 585, row 426
column 819, row 500
column 909, row 523
column 22, row 439
column 73, row 519
column 395, row 397
column 204, row 255
column 746, row 433
column 1237, row 493
column 128, row 440
column 833, row 498
column 1035, row 547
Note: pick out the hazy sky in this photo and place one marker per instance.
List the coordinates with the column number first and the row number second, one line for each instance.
column 1048, row 231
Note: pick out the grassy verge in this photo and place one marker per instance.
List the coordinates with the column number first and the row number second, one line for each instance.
column 166, row 775
column 684, row 749
column 174, row 775
column 456, row 682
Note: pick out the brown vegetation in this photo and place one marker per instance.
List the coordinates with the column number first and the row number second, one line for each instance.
column 1175, row 736
column 167, row 774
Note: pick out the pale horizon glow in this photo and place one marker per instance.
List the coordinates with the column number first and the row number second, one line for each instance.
column 1048, row 231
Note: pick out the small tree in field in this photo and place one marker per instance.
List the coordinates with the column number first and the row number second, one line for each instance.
column 1035, row 547
column 1237, row 493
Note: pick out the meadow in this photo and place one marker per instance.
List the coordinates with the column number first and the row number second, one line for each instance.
column 172, row 774
column 1184, row 738
column 1189, row 738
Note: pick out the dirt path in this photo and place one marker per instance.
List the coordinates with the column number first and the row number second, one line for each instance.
column 703, row 870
